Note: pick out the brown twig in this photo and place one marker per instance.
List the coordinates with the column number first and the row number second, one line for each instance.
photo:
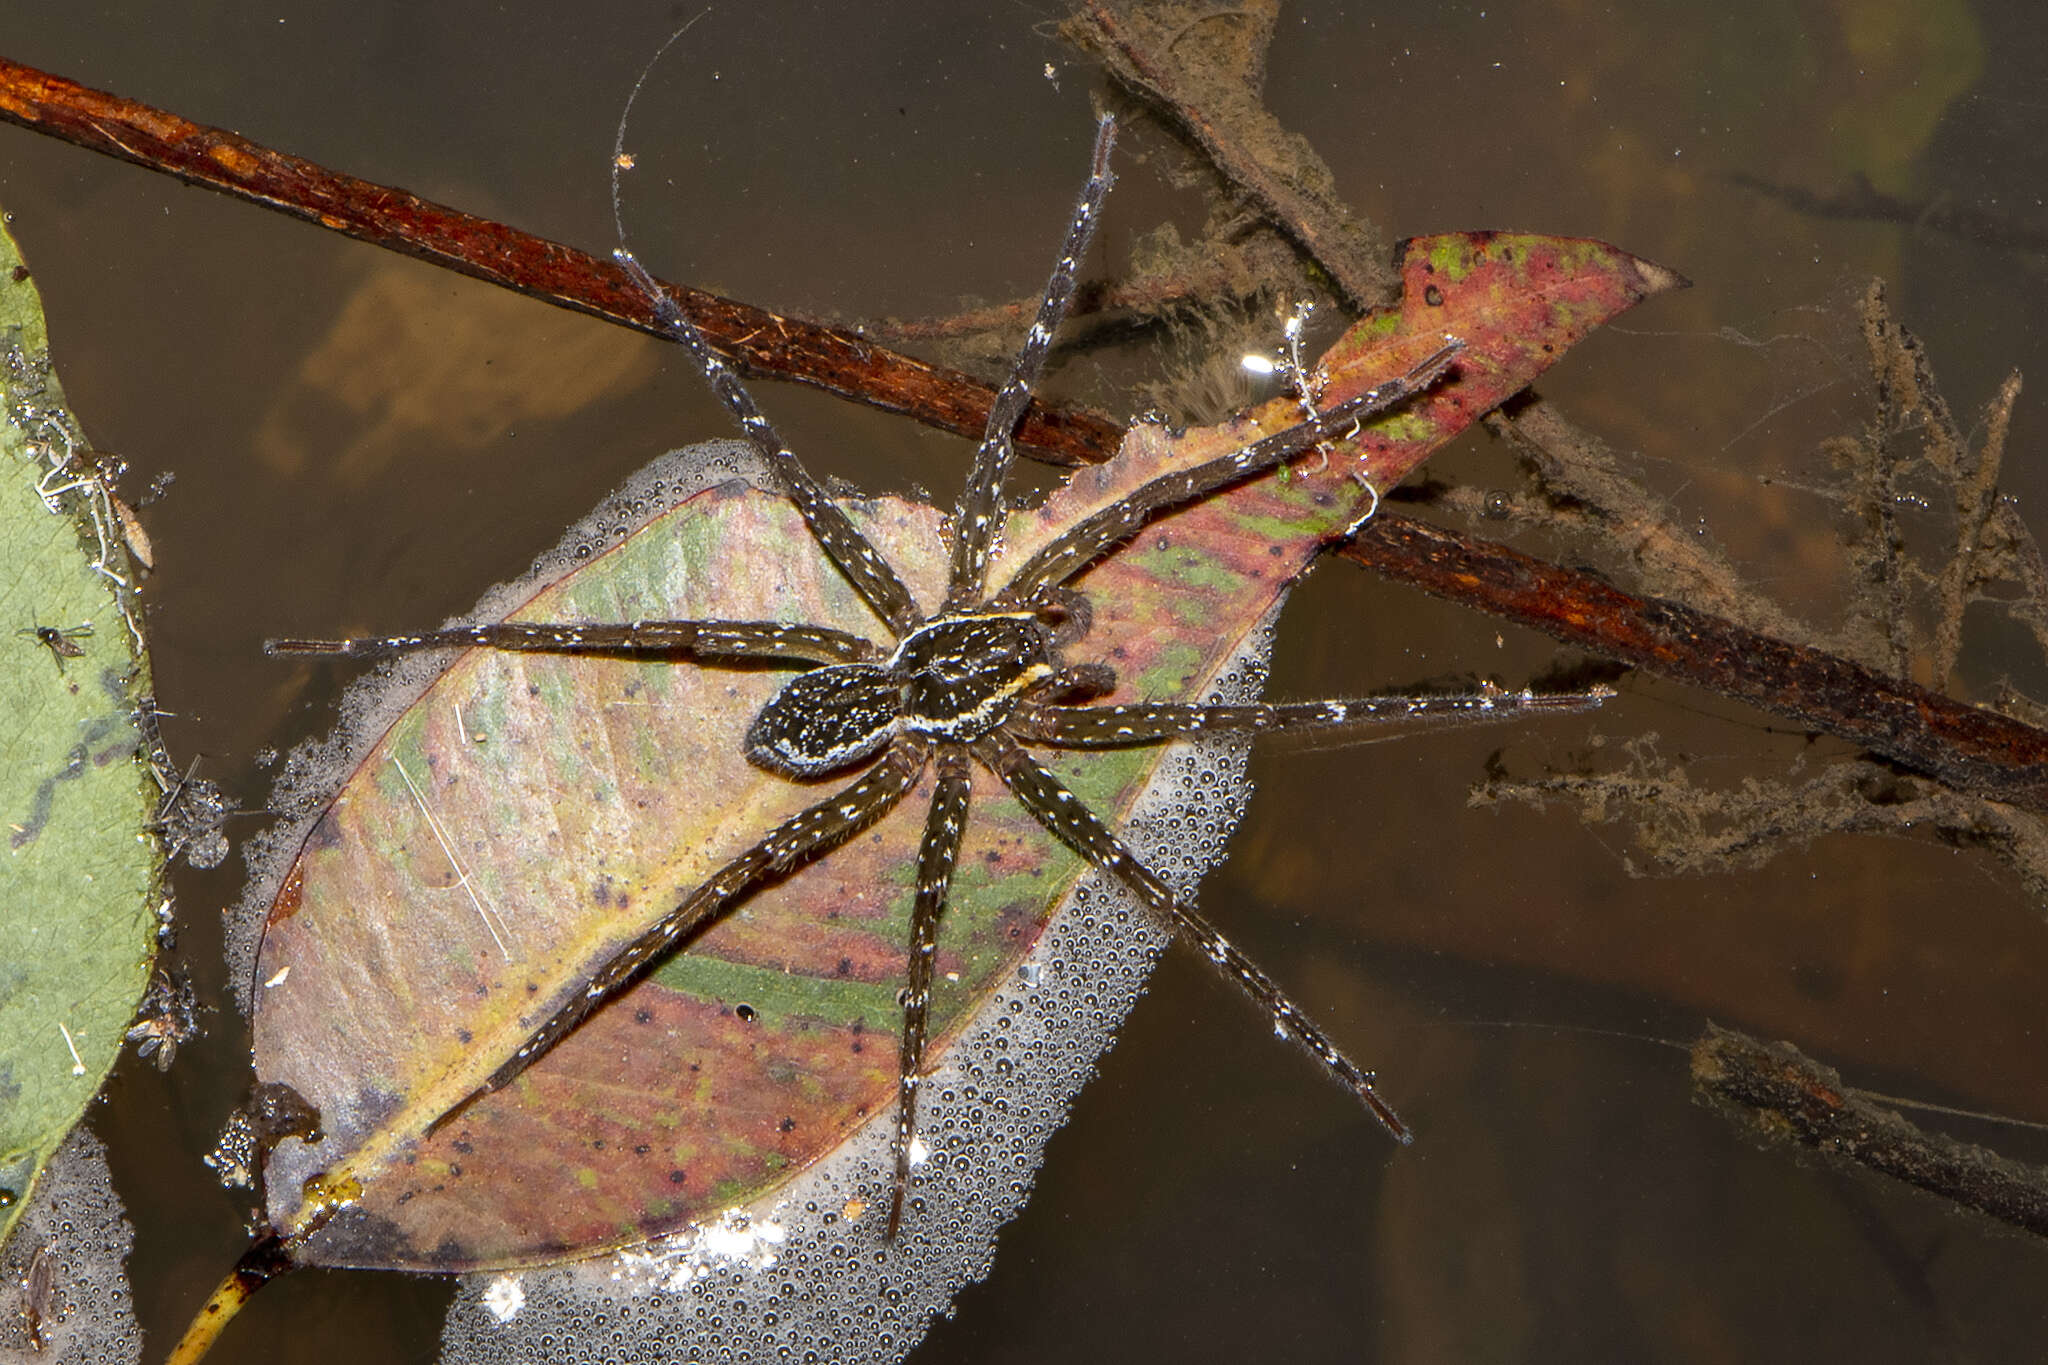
column 1971, row 749
column 760, row 342
column 1968, row 748
column 1784, row 1094
column 1858, row 199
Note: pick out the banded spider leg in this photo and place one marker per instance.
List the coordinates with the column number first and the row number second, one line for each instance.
column 976, row 682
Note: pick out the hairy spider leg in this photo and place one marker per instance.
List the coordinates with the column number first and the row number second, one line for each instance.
column 1067, row 819
column 863, row 565
column 797, row 840
column 936, row 858
column 981, row 502
column 1107, row 727
column 707, row 640
column 1064, row 557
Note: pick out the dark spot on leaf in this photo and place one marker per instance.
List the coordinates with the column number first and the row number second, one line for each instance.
column 844, row 968
column 597, row 1144
column 532, row 989
column 745, row 1013
column 464, row 1036
column 454, row 1168
column 1433, row 296
column 463, row 1147
column 20, row 273
column 675, row 1177
column 788, row 1125
column 643, row 1015
column 642, row 1150
column 326, row 834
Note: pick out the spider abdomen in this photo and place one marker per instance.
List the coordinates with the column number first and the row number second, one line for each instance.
column 825, row 719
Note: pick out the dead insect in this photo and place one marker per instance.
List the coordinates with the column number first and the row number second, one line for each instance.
column 167, row 1018
column 190, row 819
column 38, row 1287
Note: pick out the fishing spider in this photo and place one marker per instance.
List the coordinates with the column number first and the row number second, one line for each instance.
column 979, row 680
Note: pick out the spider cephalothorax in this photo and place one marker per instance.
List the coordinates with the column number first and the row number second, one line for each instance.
column 981, row 680
column 956, row 677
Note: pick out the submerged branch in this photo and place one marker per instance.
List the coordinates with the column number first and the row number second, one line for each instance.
column 1213, row 96
column 1779, row 1092
column 1859, row 200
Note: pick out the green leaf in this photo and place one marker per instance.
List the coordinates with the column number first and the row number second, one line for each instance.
column 77, row 889
column 529, row 815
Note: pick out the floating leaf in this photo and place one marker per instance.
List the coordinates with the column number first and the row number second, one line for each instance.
column 527, row 816
column 76, row 896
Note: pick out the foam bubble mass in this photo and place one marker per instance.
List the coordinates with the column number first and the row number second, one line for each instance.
column 63, row 1279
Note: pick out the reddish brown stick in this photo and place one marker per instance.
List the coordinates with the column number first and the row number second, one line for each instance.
column 759, row 342
column 1968, row 748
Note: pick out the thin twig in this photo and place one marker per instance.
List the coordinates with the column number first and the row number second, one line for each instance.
column 1859, row 200
column 1970, row 749
column 1784, row 1094
column 759, row 342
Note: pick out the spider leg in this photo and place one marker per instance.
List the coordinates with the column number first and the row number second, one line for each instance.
column 675, row 639
column 803, row 836
column 1102, row 727
column 1062, row 813
column 862, row 564
column 1087, row 540
column 935, row 862
column 981, row 502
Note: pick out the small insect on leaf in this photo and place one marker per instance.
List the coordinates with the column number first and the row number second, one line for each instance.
column 61, row 642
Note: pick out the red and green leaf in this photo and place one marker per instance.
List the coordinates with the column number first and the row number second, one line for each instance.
column 530, row 815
